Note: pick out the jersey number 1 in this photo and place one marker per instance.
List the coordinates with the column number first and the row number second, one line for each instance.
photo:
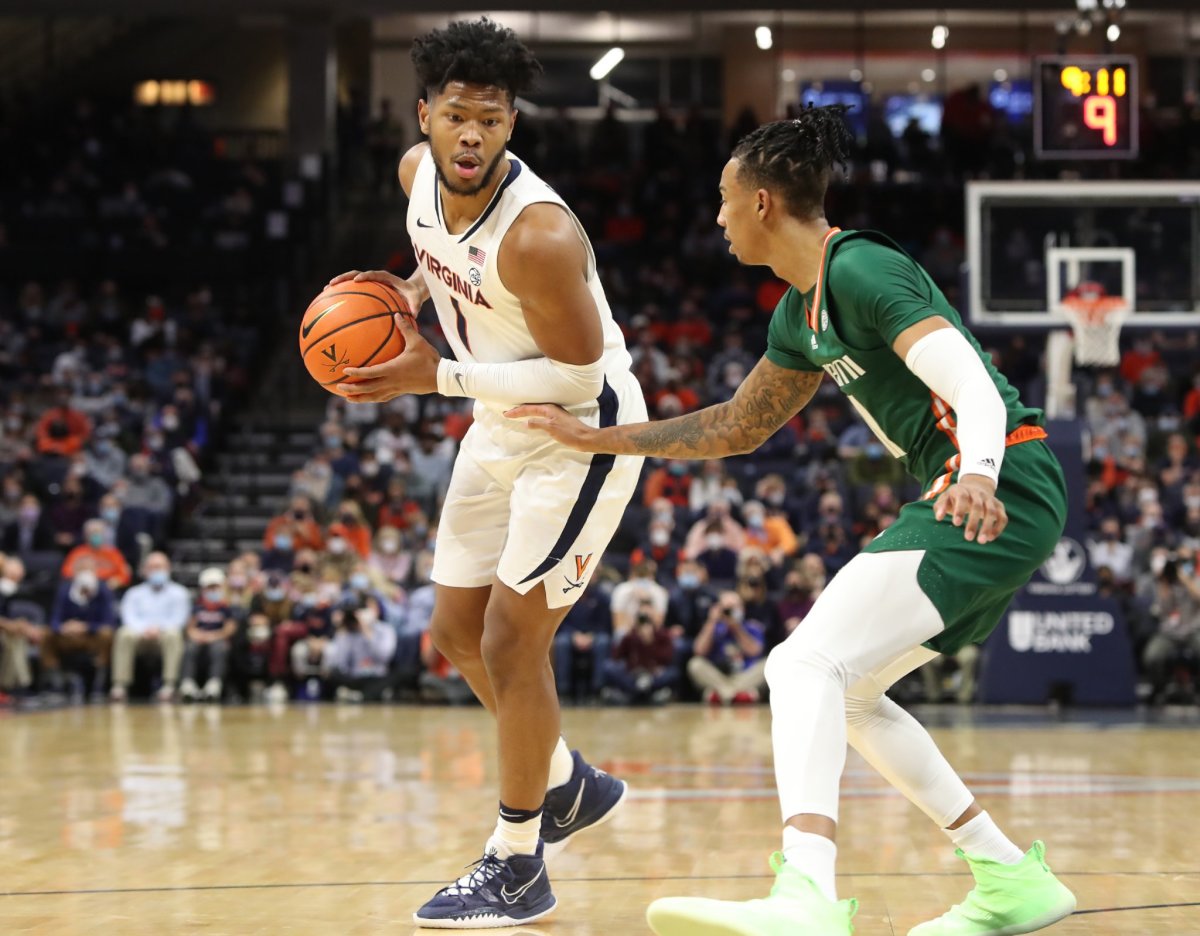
column 461, row 322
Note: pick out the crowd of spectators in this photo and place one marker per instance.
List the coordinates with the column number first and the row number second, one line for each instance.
column 713, row 565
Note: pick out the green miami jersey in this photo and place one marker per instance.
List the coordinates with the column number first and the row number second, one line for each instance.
column 867, row 292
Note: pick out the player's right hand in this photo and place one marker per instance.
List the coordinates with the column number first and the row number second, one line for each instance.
column 410, row 295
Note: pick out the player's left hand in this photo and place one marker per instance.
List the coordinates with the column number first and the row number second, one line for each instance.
column 413, row 370
column 555, row 422
column 973, row 505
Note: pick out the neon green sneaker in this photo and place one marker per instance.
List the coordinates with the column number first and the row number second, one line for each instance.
column 796, row 907
column 1006, row 900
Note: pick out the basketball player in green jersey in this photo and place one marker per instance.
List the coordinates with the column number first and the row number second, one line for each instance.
column 992, row 509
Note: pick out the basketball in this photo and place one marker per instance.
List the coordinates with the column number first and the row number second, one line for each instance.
column 350, row 325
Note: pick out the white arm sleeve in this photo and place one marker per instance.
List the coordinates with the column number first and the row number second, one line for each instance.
column 538, row 380
column 951, row 368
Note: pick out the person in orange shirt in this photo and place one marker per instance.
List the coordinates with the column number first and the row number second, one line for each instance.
column 62, row 430
column 771, row 533
column 104, row 558
column 352, row 528
column 304, row 531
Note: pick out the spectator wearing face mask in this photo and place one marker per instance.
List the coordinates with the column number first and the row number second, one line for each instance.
column 125, row 526
column 358, row 658
column 146, row 491
column 105, row 461
column 30, row 531
column 351, row 530
column 299, row 526
column 209, row 636
column 641, row 668
column 240, row 585
column 153, row 617
column 691, row 599
column 388, row 559
column 716, row 520
column 711, row 549
column 82, row 623
column 770, row 533
column 98, row 553
column 657, row 545
column 1107, row 550
column 398, row 510
column 670, row 480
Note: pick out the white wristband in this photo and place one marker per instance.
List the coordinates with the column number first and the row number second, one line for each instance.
column 950, row 367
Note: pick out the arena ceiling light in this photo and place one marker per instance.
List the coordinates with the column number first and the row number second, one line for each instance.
column 1114, row 32
column 939, row 37
column 762, row 36
column 606, row 63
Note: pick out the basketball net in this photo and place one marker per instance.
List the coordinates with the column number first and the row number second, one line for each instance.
column 1096, row 319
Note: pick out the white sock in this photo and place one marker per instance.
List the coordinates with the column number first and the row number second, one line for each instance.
column 982, row 838
column 561, row 765
column 813, row 855
column 517, row 832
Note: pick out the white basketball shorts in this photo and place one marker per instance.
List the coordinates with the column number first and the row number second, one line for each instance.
column 525, row 509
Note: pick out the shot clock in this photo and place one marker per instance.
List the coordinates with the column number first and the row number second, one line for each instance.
column 1085, row 107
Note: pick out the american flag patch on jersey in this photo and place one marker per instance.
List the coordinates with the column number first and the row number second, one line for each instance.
column 476, row 256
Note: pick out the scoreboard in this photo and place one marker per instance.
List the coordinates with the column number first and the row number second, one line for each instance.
column 1085, row 107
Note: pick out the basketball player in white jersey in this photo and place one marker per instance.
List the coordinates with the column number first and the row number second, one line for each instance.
column 513, row 279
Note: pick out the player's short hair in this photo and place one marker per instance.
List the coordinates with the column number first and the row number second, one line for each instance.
column 795, row 158
column 475, row 52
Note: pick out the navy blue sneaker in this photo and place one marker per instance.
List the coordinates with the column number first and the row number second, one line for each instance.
column 495, row 892
column 589, row 799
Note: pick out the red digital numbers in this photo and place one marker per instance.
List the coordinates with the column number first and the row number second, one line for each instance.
column 1100, row 113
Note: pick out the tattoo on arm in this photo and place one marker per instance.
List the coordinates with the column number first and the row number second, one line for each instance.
column 769, row 397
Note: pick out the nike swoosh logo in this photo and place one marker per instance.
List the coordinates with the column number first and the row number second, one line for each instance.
column 422, row 224
column 520, row 891
column 458, row 377
column 570, row 817
column 309, row 327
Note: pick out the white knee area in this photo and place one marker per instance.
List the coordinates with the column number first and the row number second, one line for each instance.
column 793, row 659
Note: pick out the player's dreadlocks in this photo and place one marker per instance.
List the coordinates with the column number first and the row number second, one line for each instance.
column 475, row 52
column 795, row 158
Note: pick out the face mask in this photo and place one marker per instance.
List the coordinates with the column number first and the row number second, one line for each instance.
column 366, row 616
column 874, row 451
column 304, row 568
column 333, row 441
column 111, row 514
column 689, row 580
column 158, row 578
column 678, row 470
column 1192, row 501
column 337, row 546
column 664, row 516
column 359, row 582
column 659, row 537
column 1099, row 453
column 155, row 443
column 7, row 587
column 237, row 581
column 714, row 541
column 213, row 594
column 103, row 447
column 29, row 514
column 283, row 542
column 273, row 594
column 756, row 521
column 734, row 614
column 299, row 515
column 96, row 540
column 775, row 498
column 389, row 546
column 348, row 518
column 370, row 470
column 170, row 423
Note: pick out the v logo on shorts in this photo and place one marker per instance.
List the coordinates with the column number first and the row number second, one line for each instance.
column 581, row 565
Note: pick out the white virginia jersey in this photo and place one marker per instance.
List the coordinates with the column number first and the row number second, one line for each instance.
column 481, row 319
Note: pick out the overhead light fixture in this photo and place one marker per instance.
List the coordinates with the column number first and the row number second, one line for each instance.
column 788, row 74
column 762, row 36
column 606, row 63
column 939, row 37
column 1000, row 75
column 1114, row 32
column 928, row 74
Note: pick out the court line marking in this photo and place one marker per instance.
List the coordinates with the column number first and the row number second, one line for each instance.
column 1164, row 906
column 581, row 880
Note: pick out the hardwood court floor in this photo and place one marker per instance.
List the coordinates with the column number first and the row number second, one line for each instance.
column 322, row 820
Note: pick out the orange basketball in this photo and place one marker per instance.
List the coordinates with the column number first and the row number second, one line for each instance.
column 349, row 325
